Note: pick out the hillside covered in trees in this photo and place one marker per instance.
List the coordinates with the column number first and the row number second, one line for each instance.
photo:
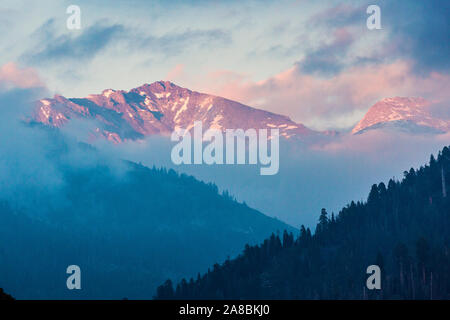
column 403, row 227
column 128, row 227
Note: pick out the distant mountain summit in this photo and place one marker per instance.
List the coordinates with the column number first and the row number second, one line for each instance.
column 160, row 108
column 407, row 114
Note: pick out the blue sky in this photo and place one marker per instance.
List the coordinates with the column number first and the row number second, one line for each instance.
column 314, row 61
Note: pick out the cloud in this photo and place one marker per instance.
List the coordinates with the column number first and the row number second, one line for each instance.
column 7, row 16
column 327, row 58
column 440, row 109
column 80, row 48
column 340, row 15
column 329, row 173
column 420, row 30
column 336, row 102
column 11, row 75
column 84, row 45
column 416, row 30
column 24, row 165
column 176, row 73
column 174, row 43
column 33, row 158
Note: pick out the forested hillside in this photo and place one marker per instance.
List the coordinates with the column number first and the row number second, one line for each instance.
column 403, row 227
column 127, row 226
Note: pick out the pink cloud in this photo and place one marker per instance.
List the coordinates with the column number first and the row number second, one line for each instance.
column 176, row 73
column 315, row 100
column 340, row 14
column 13, row 75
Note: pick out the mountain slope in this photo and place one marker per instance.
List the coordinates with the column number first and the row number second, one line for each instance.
column 127, row 226
column 403, row 228
column 160, row 108
column 408, row 114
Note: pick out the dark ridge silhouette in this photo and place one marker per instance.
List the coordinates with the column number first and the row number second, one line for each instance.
column 403, row 227
column 4, row 296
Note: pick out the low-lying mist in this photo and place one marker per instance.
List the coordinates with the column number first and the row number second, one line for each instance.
column 128, row 227
column 328, row 174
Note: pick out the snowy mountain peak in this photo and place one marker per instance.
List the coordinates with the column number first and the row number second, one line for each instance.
column 160, row 108
column 412, row 114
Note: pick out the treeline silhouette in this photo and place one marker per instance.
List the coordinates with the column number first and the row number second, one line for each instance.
column 403, row 227
column 4, row 296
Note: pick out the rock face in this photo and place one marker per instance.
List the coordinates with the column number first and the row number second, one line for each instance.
column 160, row 108
column 409, row 114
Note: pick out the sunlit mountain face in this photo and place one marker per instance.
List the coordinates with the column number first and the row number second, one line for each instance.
column 411, row 114
column 162, row 107
column 158, row 109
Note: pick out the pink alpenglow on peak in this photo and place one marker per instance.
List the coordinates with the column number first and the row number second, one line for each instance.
column 159, row 109
column 412, row 114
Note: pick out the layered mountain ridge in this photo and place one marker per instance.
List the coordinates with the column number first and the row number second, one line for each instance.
column 160, row 108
